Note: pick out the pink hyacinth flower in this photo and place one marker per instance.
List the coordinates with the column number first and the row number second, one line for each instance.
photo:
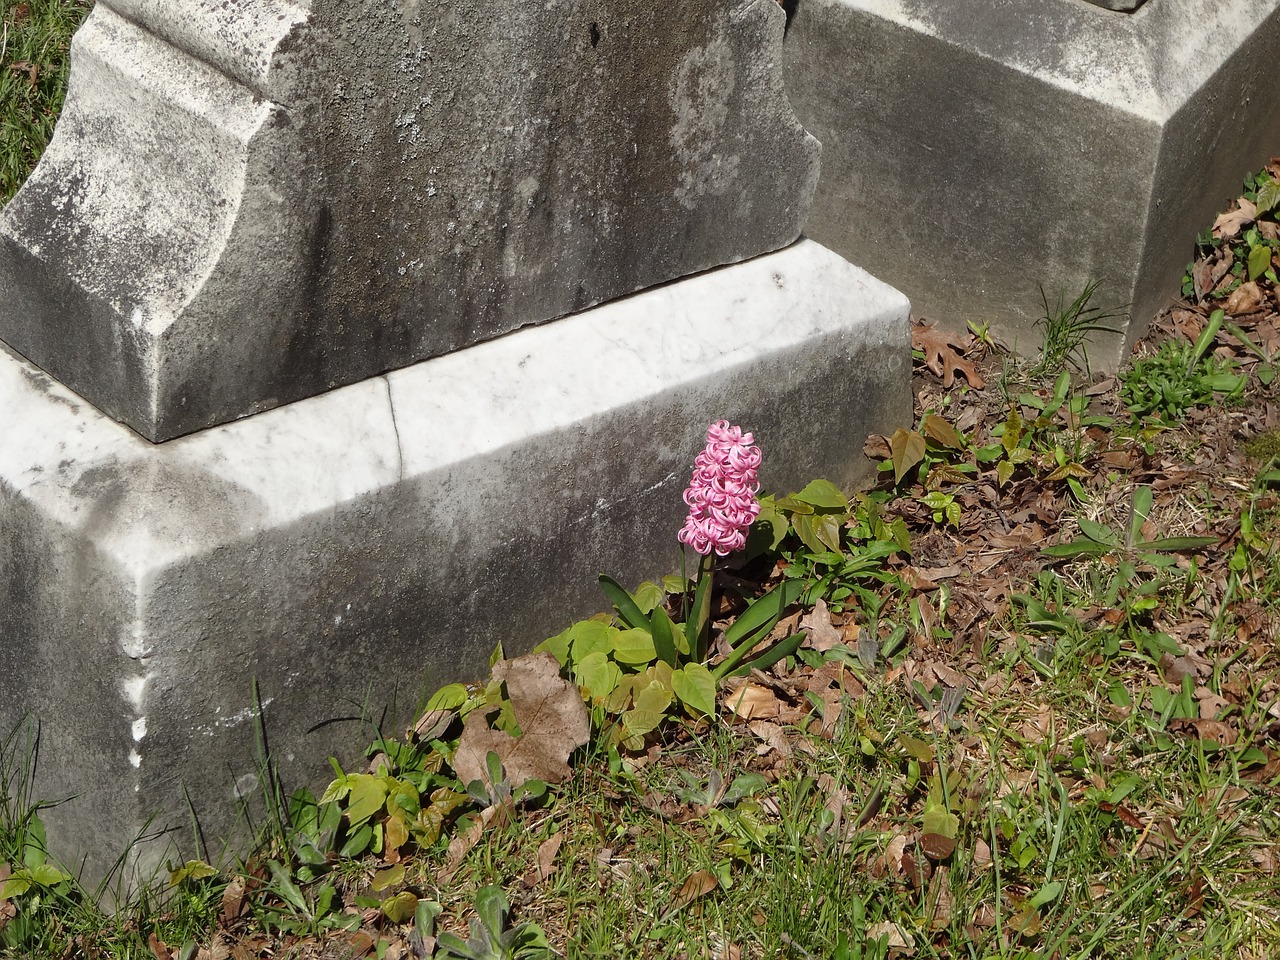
column 722, row 492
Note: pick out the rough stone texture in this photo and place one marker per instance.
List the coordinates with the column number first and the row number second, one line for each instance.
column 246, row 204
column 356, row 549
column 974, row 151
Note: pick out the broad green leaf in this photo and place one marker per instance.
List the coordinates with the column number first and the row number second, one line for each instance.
column 634, row 647
column 637, row 723
column 916, row 749
column 401, row 908
column 628, row 610
column 597, row 675
column 695, row 687
column 1012, row 432
column 367, row 797
column 1259, row 260
column 819, row 531
column 589, row 636
column 908, row 449
column 385, row 879
column 648, row 596
column 655, row 698
column 557, row 646
column 744, row 785
column 942, row 433
column 191, row 870
column 16, row 885
column 1097, row 532
column 449, row 697
column 1268, row 197
column 1046, row 894
column 1004, row 471
column 822, row 494
column 938, row 819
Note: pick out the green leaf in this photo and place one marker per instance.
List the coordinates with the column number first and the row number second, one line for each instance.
column 1012, row 431
column 1046, row 894
column 597, row 675
column 908, row 449
column 401, row 908
column 1098, row 533
column 1004, row 471
column 492, row 908
column 819, row 532
column 449, row 697
column 783, row 648
column 696, row 688
column 942, row 433
column 1259, row 260
column 634, row 647
column 1177, row 543
column 1268, row 196
column 637, row 723
column 557, row 646
column 822, row 494
column 628, row 610
column 938, row 819
column 1078, row 548
column 648, row 596
column 654, row 698
column 368, row 795
column 191, row 870
column 385, row 879
column 589, row 636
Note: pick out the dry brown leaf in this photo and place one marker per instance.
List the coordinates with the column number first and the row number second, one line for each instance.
column 822, row 635
column 695, row 886
column 1230, row 224
column 773, row 738
column 553, row 723
column 234, row 901
column 943, row 354
column 1244, row 299
column 940, row 900
column 1217, row 731
column 897, row 939
column 544, row 863
column 751, row 701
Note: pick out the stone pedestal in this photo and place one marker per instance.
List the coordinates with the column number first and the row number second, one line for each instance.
column 976, row 152
column 349, row 552
column 246, row 204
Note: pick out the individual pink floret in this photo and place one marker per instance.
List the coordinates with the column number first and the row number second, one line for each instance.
column 722, row 492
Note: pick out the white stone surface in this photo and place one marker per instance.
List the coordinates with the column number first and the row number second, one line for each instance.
column 383, row 537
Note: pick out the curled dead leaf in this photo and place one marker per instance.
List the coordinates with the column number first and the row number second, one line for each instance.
column 1244, row 299
column 751, row 701
column 1229, row 224
column 943, row 354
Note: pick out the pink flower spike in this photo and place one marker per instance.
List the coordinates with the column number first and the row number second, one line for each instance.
column 722, row 492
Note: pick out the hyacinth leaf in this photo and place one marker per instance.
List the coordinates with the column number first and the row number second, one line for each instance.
column 822, row 494
column 778, row 651
column 696, row 688
column 664, row 637
column 767, row 609
column 628, row 610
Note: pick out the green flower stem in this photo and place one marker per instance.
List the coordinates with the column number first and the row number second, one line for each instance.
column 702, row 609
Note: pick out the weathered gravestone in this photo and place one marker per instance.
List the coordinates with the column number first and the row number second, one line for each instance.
column 976, row 152
column 250, row 203
column 244, row 204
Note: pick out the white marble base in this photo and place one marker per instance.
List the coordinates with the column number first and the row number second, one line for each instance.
column 351, row 551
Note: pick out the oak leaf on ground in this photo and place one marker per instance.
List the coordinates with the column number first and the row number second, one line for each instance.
column 943, row 354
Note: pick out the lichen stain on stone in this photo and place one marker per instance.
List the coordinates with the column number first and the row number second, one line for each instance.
column 700, row 99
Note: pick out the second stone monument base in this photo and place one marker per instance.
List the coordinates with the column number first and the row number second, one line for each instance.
column 345, row 554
